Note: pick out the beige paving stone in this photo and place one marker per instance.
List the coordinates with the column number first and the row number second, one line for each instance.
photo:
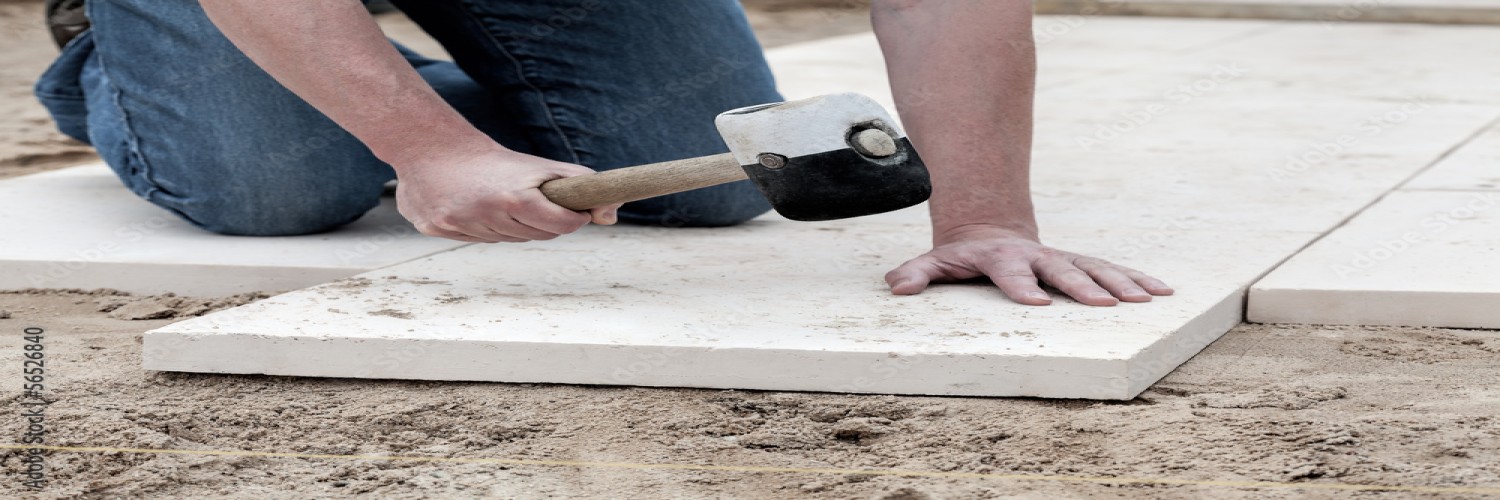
column 1194, row 194
column 1323, row 11
column 1416, row 258
column 79, row 228
column 771, row 305
column 1473, row 166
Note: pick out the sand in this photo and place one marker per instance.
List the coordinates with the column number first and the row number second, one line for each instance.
column 29, row 142
column 1389, row 406
column 1295, row 404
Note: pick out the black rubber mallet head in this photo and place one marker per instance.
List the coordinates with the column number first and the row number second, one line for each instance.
column 827, row 157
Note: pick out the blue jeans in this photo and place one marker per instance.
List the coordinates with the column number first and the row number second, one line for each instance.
column 192, row 125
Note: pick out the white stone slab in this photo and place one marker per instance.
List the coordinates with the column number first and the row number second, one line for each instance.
column 770, row 305
column 1474, row 166
column 1294, row 128
column 79, row 228
column 1195, row 195
column 1070, row 47
column 1325, row 11
column 1416, row 258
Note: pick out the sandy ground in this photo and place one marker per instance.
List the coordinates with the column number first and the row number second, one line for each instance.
column 1312, row 406
column 28, row 141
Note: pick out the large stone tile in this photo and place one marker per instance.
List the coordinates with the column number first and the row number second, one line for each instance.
column 1190, row 196
column 1322, row 11
column 1474, row 166
column 1416, row 258
column 1247, row 113
column 1259, row 166
column 770, row 305
column 1072, row 49
column 79, row 228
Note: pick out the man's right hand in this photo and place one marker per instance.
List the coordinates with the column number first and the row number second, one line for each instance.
column 490, row 196
column 456, row 182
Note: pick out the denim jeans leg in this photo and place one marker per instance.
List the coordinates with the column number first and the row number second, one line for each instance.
column 60, row 90
column 614, row 83
column 192, row 125
column 470, row 99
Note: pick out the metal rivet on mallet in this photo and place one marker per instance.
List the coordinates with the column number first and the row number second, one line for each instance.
column 772, row 161
column 873, row 142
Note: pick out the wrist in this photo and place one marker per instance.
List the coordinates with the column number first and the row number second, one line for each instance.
column 414, row 149
column 984, row 230
column 1013, row 214
column 417, row 128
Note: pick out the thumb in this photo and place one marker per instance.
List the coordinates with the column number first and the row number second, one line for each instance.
column 913, row 276
column 605, row 215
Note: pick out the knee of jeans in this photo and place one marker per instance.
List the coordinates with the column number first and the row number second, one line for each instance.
column 281, row 211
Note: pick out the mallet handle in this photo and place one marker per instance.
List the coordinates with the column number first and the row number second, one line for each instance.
column 646, row 181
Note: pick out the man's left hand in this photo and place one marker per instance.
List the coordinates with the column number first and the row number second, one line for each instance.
column 1015, row 261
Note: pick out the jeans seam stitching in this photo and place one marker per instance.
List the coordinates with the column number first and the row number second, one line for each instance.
column 50, row 95
column 133, row 155
column 521, row 72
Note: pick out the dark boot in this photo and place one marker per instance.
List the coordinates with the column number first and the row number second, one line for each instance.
column 66, row 20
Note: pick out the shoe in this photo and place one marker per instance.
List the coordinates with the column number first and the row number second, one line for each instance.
column 66, row 20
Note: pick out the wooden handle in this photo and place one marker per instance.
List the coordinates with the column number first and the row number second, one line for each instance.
column 646, row 181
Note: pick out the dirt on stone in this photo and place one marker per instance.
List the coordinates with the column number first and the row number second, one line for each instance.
column 392, row 313
column 169, row 306
column 121, row 305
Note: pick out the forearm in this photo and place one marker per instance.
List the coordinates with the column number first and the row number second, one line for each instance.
column 334, row 56
column 963, row 75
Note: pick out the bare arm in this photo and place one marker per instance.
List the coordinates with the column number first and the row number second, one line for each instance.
column 963, row 73
column 966, row 65
column 456, row 182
